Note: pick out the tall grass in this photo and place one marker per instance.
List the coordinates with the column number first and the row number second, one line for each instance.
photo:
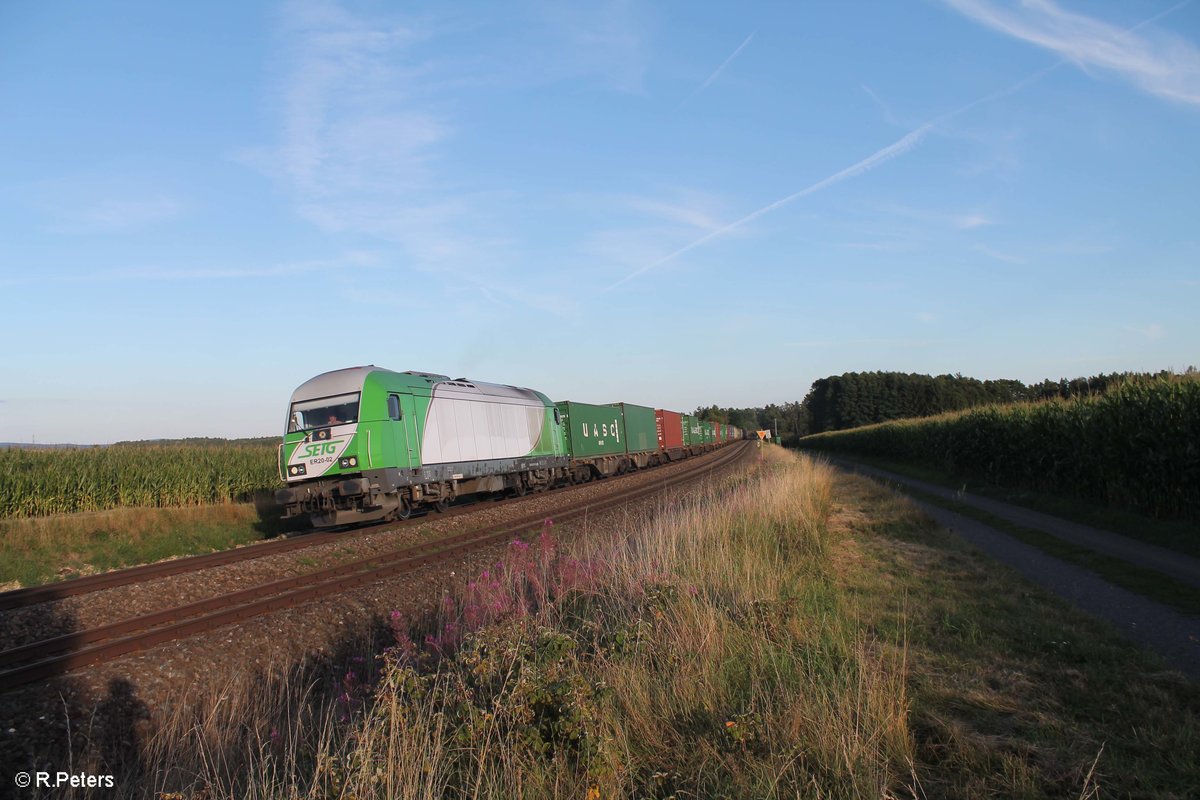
column 1136, row 447
column 704, row 653
column 35, row 550
column 42, row 482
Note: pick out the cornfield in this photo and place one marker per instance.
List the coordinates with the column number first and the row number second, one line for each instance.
column 1136, row 447
column 43, row 482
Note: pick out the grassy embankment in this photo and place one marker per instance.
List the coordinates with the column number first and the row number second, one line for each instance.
column 1110, row 461
column 800, row 634
column 70, row 512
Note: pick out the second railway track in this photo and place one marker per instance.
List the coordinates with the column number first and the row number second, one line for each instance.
column 50, row 657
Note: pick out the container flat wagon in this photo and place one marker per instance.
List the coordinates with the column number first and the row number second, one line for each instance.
column 669, row 428
column 641, row 434
column 595, row 438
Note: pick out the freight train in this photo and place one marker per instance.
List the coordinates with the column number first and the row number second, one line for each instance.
column 366, row 443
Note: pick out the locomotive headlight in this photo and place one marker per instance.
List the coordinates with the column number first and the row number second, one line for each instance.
column 348, row 462
column 296, row 469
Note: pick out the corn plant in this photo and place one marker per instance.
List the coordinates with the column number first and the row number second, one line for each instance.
column 1136, row 447
column 44, row 482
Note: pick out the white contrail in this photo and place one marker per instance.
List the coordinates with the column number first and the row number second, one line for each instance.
column 896, row 148
column 717, row 72
column 903, row 145
column 899, row 147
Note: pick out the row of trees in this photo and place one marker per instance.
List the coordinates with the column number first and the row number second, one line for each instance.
column 853, row 399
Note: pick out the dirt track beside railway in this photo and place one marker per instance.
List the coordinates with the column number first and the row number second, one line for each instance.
column 1171, row 634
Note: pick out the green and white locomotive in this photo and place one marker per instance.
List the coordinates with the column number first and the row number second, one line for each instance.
column 366, row 443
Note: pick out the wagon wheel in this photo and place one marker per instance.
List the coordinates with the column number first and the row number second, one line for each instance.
column 520, row 489
column 440, row 505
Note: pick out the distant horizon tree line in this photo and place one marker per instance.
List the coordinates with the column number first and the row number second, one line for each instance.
column 854, row 399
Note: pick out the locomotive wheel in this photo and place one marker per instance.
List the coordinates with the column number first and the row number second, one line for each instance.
column 404, row 511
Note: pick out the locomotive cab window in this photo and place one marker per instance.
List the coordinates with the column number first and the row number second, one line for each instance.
column 557, row 419
column 394, row 406
column 323, row 412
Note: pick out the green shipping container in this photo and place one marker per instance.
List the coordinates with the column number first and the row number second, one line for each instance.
column 692, row 435
column 593, row 430
column 641, row 431
column 709, row 436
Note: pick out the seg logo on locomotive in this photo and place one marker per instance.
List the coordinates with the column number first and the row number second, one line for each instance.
column 311, row 459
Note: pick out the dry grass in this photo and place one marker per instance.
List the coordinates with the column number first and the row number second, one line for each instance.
column 784, row 634
column 1012, row 692
column 41, row 549
column 703, row 653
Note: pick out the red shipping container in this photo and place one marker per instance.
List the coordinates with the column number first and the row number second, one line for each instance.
column 669, row 425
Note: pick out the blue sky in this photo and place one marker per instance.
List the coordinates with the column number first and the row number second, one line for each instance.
column 204, row 204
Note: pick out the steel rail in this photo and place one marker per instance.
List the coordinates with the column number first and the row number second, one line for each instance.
column 148, row 630
column 32, row 595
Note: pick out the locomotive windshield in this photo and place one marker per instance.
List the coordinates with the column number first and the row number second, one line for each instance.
column 321, row 413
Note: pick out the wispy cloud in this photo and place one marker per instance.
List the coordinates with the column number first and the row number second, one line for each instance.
column 604, row 40
column 717, row 72
column 899, row 147
column 999, row 256
column 365, row 136
column 694, row 209
column 353, row 260
column 355, row 134
column 961, row 220
column 1082, row 248
column 122, row 214
column 1157, row 62
column 102, row 200
column 968, row 222
column 638, row 225
column 884, row 247
column 1152, row 332
column 891, row 343
column 879, row 157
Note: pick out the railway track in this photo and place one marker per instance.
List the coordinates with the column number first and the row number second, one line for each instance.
column 19, row 598
column 55, row 656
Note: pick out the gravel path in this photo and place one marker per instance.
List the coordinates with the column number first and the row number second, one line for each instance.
column 1182, row 567
column 1174, row 636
